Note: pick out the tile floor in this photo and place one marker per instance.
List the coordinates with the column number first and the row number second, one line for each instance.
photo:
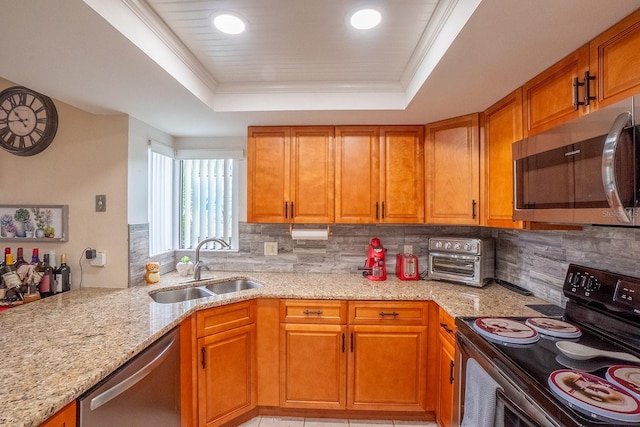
column 267, row 421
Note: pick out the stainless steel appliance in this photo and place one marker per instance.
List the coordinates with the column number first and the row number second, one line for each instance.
column 535, row 384
column 584, row 172
column 464, row 260
column 143, row 392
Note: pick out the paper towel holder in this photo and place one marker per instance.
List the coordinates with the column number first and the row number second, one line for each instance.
column 291, row 229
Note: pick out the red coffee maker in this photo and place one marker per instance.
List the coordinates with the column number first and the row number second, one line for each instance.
column 375, row 266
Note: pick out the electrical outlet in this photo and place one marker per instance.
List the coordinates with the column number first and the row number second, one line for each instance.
column 408, row 249
column 100, row 260
column 270, row 248
column 101, row 203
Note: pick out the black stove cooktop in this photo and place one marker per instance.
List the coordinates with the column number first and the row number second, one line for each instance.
column 603, row 306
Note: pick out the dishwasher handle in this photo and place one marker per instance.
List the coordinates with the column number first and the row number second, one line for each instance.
column 132, row 380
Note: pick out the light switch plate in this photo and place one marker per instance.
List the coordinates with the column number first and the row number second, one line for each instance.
column 270, row 248
column 408, row 249
column 101, row 203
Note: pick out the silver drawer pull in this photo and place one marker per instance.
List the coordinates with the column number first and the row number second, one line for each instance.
column 310, row 312
column 385, row 314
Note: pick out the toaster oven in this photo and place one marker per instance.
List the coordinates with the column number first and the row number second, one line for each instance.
column 463, row 260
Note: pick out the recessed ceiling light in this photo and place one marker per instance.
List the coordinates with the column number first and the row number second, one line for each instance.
column 365, row 19
column 229, row 24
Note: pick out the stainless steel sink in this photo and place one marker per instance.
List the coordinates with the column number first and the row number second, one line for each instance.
column 179, row 295
column 195, row 292
column 235, row 285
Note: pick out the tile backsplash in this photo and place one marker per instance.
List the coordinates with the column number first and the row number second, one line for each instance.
column 536, row 260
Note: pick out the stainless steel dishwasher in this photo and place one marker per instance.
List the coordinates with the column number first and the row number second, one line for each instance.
column 143, row 392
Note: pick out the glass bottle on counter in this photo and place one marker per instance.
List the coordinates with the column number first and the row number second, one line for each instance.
column 63, row 275
column 21, row 266
column 47, row 277
column 35, row 257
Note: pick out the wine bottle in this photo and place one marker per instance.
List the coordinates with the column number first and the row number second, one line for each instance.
column 20, row 259
column 22, row 268
column 63, row 275
column 35, row 257
column 47, row 273
column 10, row 275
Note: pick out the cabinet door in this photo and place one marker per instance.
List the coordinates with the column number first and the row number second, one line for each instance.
column 502, row 127
column 452, row 150
column 313, row 367
column 268, row 169
column 446, row 384
column 402, row 174
column 387, row 368
column 549, row 97
column 357, row 174
column 615, row 61
column 66, row 417
column 226, row 377
column 312, row 174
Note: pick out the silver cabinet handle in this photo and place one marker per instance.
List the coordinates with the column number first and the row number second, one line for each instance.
column 132, row 380
column 609, row 164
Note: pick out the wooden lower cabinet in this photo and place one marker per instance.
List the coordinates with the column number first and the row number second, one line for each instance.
column 226, row 365
column 445, row 411
column 387, row 368
column 66, row 417
column 313, row 366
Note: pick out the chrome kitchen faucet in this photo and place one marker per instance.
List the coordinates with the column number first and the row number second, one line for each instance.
column 199, row 264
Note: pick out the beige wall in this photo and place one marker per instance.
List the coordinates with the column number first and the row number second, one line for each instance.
column 87, row 157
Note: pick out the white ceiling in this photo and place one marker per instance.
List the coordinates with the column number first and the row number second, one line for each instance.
column 299, row 63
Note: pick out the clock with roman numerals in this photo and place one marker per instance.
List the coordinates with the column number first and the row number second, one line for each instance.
column 28, row 121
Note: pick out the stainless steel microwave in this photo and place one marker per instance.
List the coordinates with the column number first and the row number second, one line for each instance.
column 583, row 172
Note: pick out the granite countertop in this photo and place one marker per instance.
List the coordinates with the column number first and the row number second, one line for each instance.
column 53, row 350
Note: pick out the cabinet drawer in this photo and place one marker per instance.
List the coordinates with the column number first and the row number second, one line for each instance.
column 447, row 326
column 313, row 311
column 387, row 313
column 224, row 318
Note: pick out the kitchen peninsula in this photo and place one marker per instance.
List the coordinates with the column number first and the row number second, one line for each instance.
column 56, row 349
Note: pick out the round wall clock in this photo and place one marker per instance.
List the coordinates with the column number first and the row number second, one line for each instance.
column 28, row 121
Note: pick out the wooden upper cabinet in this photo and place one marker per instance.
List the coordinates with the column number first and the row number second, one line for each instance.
column 290, row 174
column 615, row 61
column 379, row 174
column 502, row 127
column 452, row 153
column 268, row 160
column 549, row 97
column 402, row 174
column 357, row 174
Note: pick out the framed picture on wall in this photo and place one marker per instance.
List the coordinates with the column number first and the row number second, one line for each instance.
column 39, row 223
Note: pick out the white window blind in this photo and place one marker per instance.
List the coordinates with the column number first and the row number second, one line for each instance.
column 161, row 202
column 207, row 201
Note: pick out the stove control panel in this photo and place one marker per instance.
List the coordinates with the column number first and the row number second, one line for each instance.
column 617, row 292
column 461, row 245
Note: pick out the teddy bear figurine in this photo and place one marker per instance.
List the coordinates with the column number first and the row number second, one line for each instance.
column 153, row 273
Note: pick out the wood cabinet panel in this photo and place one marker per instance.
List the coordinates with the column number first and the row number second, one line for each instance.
column 268, row 160
column 549, row 97
column 313, row 311
column 357, row 174
column 615, row 61
column 402, row 174
column 65, row 417
column 452, row 152
column 313, row 366
column 312, row 175
column 502, row 127
column 387, row 368
column 446, row 381
column 226, row 379
column 387, row 313
column 224, row 318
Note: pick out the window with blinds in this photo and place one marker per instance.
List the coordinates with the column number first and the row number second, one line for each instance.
column 206, row 201
column 161, row 202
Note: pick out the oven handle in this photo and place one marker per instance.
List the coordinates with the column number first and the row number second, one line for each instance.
column 608, row 167
column 455, row 256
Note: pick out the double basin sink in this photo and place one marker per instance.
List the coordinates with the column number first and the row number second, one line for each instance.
column 203, row 291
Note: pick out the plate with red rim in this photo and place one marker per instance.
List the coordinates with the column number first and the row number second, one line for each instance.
column 594, row 396
column 505, row 330
column 553, row 327
column 627, row 377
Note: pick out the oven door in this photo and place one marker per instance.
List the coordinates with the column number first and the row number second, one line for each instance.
column 518, row 409
column 455, row 267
